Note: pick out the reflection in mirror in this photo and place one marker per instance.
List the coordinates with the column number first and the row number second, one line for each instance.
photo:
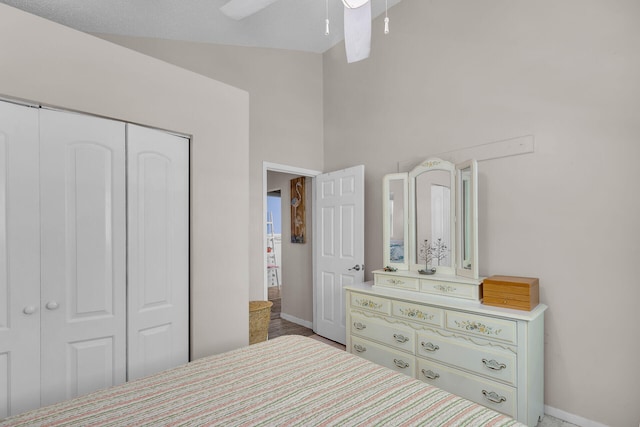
column 395, row 235
column 433, row 218
column 396, row 220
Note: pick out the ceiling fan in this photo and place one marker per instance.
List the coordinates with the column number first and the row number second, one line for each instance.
column 357, row 22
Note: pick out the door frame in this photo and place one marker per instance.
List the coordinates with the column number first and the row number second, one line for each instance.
column 293, row 170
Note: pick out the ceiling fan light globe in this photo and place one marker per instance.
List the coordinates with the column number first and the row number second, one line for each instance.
column 354, row 4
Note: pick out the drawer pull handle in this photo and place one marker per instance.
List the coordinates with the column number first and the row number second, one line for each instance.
column 400, row 363
column 359, row 348
column 400, row 338
column 429, row 346
column 494, row 397
column 492, row 364
column 430, row 374
column 359, row 326
column 395, row 281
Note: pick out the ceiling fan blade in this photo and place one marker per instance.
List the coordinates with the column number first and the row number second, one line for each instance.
column 240, row 9
column 357, row 32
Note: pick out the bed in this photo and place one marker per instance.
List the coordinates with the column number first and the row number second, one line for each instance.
column 290, row 380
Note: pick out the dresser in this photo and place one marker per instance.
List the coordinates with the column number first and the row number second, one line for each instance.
column 490, row 355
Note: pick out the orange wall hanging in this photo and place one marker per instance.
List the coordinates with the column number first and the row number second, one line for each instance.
column 298, row 217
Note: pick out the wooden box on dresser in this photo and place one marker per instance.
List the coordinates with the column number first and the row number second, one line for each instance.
column 490, row 355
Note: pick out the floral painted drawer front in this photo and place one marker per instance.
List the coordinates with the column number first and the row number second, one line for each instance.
column 371, row 303
column 482, row 326
column 418, row 313
column 450, row 289
column 393, row 281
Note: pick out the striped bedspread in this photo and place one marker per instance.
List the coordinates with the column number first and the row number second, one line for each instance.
column 292, row 381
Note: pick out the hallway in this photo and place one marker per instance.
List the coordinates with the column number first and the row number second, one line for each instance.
column 279, row 326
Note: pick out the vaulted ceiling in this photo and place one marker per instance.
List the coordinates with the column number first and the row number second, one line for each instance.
column 285, row 24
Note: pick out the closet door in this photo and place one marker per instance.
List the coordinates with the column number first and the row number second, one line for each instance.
column 19, row 260
column 82, row 181
column 158, row 250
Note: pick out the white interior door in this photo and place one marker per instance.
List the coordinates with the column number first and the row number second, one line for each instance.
column 338, row 246
column 158, row 251
column 82, row 199
column 19, row 260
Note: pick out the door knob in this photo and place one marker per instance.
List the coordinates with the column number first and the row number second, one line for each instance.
column 357, row 267
column 52, row 305
column 29, row 309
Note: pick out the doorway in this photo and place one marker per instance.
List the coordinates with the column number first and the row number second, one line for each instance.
column 314, row 275
column 288, row 266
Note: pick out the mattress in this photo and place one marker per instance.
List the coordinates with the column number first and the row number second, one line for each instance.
column 291, row 380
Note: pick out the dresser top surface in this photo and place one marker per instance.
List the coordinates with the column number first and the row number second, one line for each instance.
column 446, row 302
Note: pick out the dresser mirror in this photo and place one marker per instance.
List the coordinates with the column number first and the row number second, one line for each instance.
column 420, row 210
column 432, row 216
column 395, row 220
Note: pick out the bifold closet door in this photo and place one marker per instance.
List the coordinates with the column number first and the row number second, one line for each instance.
column 19, row 260
column 158, row 250
column 83, row 244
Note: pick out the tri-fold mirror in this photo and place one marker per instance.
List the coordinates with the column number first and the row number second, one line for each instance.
column 430, row 219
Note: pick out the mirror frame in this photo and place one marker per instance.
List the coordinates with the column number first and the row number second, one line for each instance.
column 429, row 165
column 409, row 217
column 472, row 205
column 386, row 220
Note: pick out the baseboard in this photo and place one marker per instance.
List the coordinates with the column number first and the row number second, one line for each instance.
column 297, row 321
column 571, row 418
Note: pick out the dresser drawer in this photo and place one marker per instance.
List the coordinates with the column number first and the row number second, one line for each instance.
column 396, row 360
column 491, row 362
column 482, row 326
column 370, row 303
column 450, row 289
column 418, row 313
column 391, row 281
column 494, row 395
column 397, row 336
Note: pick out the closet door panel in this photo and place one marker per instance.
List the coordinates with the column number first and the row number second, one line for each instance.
column 158, row 250
column 19, row 260
column 83, row 254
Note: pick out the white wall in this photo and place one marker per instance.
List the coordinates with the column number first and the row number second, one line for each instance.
column 54, row 65
column 285, row 90
column 454, row 74
column 450, row 75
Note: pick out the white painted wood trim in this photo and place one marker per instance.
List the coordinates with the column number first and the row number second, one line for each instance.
column 277, row 167
column 571, row 418
column 296, row 320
